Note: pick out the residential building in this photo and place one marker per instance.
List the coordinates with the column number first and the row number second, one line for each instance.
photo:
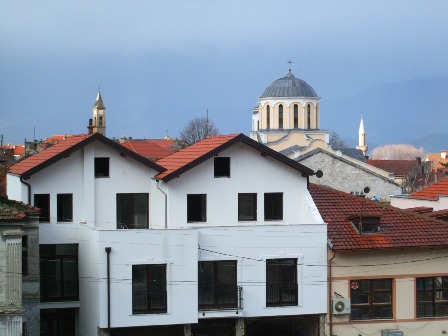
column 19, row 265
column 222, row 236
column 387, row 268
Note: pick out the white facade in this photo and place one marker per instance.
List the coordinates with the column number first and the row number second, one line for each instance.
column 172, row 241
column 406, row 202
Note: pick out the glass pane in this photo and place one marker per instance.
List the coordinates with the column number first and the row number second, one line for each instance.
column 424, row 296
column 441, row 309
column 141, row 211
column 381, row 298
column 139, row 289
column 70, row 277
column 247, row 206
column 360, row 298
column 382, row 312
column 437, row 282
column 383, row 284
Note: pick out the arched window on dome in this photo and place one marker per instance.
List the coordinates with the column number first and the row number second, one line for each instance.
column 317, row 116
column 280, row 116
column 296, row 116
column 308, row 116
column 268, row 117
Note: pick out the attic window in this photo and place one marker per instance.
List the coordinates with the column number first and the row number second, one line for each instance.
column 222, row 167
column 102, row 167
column 366, row 224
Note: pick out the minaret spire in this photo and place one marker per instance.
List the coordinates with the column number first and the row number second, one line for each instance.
column 362, row 139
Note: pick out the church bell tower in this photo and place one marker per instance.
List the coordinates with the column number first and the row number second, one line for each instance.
column 99, row 115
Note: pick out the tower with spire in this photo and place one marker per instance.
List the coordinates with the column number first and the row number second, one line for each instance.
column 99, row 115
column 362, row 139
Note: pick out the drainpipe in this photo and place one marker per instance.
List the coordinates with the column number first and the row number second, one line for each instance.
column 330, row 313
column 166, row 205
column 29, row 189
column 108, row 249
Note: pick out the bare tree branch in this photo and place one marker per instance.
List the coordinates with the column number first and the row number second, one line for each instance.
column 197, row 130
column 396, row 152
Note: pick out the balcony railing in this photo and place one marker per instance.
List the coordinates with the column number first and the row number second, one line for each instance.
column 220, row 298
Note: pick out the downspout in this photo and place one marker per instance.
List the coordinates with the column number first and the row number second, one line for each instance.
column 166, row 204
column 330, row 312
column 29, row 189
column 108, row 249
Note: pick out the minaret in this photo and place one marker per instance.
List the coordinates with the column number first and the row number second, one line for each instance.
column 99, row 115
column 362, row 139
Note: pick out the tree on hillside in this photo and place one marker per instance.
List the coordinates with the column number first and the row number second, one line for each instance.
column 197, row 130
column 336, row 141
column 396, row 152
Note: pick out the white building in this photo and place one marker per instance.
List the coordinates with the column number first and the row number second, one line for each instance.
column 220, row 236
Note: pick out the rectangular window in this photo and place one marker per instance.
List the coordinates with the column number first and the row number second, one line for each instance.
column 273, row 206
column 59, row 272
column 222, row 166
column 65, row 207
column 101, row 167
column 217, row 285
column 196, row 208
column 132, row 211
column 149, row 289
column 247, row 207
column 24, row 255
column 371, row 299
column 42, row 201
column 281, row 282
column 432, row 296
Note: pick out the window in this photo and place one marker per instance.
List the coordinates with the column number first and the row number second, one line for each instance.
column 247, row 207
column 59, row 272
column 280, row 116
column 222, row 166
column 273, row 206
column 196, row 208
column 368, row 224
column 308, row 116
column 281, row 282
column 65, row 207
column 371, row 299
column 102, row 167
column 217, row 285
column 132, row 211
column 42, row 201
column 24, row 255
column 268, row 117
column 149, row 289
column 296, row 116
column 432, row 296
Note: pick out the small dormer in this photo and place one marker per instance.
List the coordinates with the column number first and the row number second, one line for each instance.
column 366, row 223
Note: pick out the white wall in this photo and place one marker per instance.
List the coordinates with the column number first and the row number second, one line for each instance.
column 405, row 202
column 250, row 173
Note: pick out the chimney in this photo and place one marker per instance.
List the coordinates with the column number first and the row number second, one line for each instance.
column 443, row 154
column 90, row 127
column 419, row 160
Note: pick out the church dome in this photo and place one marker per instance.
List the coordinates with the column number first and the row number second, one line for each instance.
column 289, row 86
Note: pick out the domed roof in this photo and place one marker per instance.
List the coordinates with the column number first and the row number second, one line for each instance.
column 289, row 86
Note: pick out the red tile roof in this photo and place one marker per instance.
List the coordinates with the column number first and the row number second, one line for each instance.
column 437, row 161
column 149, row 150
column 398, row 228
column 57, row 138
column 397, row 167
column 44, row 158
column 433, row 190
column 11, row 211
column 183, row 160
column 18, row 149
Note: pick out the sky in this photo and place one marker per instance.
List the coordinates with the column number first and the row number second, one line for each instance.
column 160, row 64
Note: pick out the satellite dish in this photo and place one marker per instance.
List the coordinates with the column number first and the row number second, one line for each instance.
column 366, row 190
column 319, row 173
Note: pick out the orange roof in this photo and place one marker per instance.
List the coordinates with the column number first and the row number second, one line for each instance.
column 57, row 138
column 18, row 149
column 433, row 191
column 437, row 161
column 183, row 160
column 149, row 150
column 398, row 228
column 44, row 158
column 397, row 167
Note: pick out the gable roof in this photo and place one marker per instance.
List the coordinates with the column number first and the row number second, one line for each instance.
column 433, row 191
column 398, row 167
column 47, row 157
column 398, row 228
column 188, row 158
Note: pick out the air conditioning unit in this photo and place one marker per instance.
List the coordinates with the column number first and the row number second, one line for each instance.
column 390, row 332
column 341, row 306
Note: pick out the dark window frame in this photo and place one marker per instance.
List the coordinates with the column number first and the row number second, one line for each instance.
column 217, row 285
column 153, row 290
column 308, row 116
column 369, row 299
column 282, row 287
column 280, row 116
column 64, row 207
column 432, row 296
column 273, row 206
column 296, row 116
column 130, row 205
column 196, row 208
column 268, row 117
column 57, row 281
column 25, row 244
column 42, row 201
column 102, row 167
column 247, row 207
column 221, row 166
column 367, row 224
